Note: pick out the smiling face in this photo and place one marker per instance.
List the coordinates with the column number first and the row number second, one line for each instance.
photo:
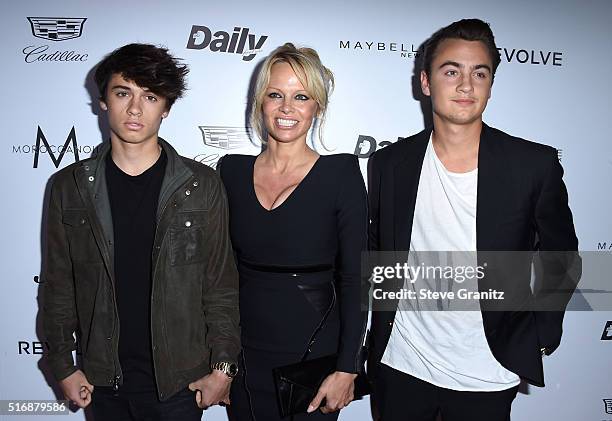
column 134, row 113
column 460, row 81
column 288, row 110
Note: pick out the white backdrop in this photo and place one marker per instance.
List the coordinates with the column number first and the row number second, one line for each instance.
column 553, row 86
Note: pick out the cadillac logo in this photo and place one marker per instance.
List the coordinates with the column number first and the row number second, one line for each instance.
column 56, row 29
column 225, row 137
column 608, row 406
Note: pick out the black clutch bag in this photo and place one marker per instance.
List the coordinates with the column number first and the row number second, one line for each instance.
column 297, row 384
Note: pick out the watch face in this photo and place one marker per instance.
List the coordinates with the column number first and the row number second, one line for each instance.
column 230, row 369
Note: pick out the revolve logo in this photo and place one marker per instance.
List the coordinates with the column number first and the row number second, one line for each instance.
column 29, row 347
column 32, row 347
column 534, row 57
column 54, row 29
column 239, row 42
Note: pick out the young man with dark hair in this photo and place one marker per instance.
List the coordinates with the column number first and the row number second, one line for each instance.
column 463, row 186
column 138, row 260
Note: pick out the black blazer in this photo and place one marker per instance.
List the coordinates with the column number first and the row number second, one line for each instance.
column 521, row 206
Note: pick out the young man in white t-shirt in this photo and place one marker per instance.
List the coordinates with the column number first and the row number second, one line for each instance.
column 465, row 187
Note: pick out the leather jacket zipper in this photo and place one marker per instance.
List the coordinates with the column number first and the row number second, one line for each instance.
column 115, row 341
column 155, row 261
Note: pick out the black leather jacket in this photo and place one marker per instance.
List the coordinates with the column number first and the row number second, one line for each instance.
column 194, row 299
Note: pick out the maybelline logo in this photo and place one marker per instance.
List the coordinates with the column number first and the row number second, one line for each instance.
column 406, row 50
column 239, row 42
column 222, row 137
column 536, row 57
column 56, row 152
column 607, row 332
column 54, row 29
column 367, row 145
column 604, row 245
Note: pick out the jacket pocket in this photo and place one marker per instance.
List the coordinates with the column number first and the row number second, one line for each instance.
column 187, row 236
column 83, row 247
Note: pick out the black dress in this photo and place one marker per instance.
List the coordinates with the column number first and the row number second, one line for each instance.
column 296, row 263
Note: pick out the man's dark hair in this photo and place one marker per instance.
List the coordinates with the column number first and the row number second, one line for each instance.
column 147, row 66
column 465, row 29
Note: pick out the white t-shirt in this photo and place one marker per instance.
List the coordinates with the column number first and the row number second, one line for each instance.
column 445, row 348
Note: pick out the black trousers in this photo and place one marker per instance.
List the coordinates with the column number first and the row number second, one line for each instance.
column 107, row 405
column 401, row 397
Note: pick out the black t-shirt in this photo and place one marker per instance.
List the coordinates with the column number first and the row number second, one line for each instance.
column 133, row 201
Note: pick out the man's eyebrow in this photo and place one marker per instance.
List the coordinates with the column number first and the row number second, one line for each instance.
column 483, row 66
column 461, row 66
column 450, row 63
column 127, row 88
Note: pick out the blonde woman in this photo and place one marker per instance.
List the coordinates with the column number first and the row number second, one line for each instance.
column 298, row 224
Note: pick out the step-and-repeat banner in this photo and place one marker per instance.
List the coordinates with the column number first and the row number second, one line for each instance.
column 553, row 86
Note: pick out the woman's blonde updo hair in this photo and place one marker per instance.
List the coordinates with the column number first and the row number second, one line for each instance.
column 318, row 81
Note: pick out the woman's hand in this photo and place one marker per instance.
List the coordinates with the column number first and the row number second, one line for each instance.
column 337, row 389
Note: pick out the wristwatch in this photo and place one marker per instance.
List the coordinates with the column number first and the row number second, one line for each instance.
column 230, row 369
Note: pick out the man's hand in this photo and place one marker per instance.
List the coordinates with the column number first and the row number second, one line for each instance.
column 212, row 389
column 77, row 389
column 337, row 389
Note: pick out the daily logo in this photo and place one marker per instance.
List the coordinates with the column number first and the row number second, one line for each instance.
column 607, row 332
column 54, row 29
column 367, row 145
column 240, row 41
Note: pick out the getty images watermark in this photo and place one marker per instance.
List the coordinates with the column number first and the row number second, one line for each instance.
column 488, row 281
column 34, row 407
column 423, row 273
